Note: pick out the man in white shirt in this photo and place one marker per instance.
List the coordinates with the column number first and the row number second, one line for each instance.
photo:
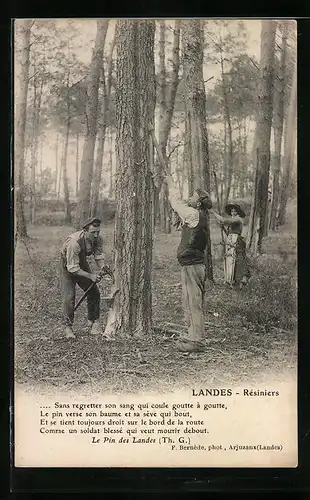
column 75, row 270
column 191, row 257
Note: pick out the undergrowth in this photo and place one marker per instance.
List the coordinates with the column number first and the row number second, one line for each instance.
column 248, row 332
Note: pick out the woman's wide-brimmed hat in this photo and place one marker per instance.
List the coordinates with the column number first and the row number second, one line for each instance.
column 237, row 207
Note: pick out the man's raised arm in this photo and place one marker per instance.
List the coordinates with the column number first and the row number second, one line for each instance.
column 188, row 215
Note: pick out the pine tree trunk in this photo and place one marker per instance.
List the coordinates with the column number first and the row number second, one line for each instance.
column 83, row 205
column 35, row 144
column 162, row 135
column 278, row 130
column 166, row 107
column 289, row 149
column 262, row 135
column 243, row 161
column 61, row 168
column 195, row 101
column 111, row 166
column 230, row 156
column 77, row 166
column 33, row 154
column 102, row 128
column 187, row 156
column 21, row 117
column 170, row 101
column 41, row 165
column 68, row 219
column 252, row 236
column 135, row 106
column 56, row 164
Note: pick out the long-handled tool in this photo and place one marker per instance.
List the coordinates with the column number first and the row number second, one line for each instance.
column 104, row 271
column 219, row 210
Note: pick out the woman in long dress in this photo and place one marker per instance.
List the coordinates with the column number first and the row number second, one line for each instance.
column 236, row 269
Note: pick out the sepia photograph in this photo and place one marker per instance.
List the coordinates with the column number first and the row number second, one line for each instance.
column 155, row 242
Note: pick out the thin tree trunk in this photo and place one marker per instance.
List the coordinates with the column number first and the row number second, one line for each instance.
column 278, row 130
column 83, row 208
column 37, row 98
column 77, row 166
column 230, row 156
column 65, row 175
column 33, row 152
column 135, row 105
column 111, row 165
column 162, row 136
column 289, row 149
column 195, row 102
column 21, row 117
column 243, row 161
column 41, row 164
column 60, row 168
column 166, row 107
column 187, row 156
column 102, row 127
column 173, row 87
column 178, row 172
column 239, row 173
column 56, row 164
column 263, row 133
column 252, row 236
column 162, row 84
column 68, row 218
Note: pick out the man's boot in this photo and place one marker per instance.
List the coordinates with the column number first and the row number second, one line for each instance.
column 69, row 332
column 96, row 328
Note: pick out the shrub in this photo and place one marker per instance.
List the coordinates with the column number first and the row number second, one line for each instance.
column 50, row 219
column 270, row 298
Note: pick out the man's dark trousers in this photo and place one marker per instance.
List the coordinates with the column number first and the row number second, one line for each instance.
column 69, row 282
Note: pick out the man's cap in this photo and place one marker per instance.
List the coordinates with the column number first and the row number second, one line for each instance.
column 91, row 221
column 202, row 194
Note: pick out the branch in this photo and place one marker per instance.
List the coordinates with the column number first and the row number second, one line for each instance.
column 254, row 63
column 161, row 156
column 205, row 81
column 34, row 74
column 174, row 148
column 79, row 81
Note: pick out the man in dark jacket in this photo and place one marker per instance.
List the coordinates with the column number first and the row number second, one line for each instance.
column 191, row 257
column 75, row 270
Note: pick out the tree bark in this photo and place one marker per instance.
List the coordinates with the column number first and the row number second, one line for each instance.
column 170, row 102
column 262, row 136
column 83, row 205
column 278, row 130
column 56, row 164
column 166, row 107
column 230, row 157
column 111, row 165
column 243, row 181
column 77, row 166
column 63, row 166
column 102, row 127
column 60, row 169
column 289, row 148
column 21, row 116
column 37, row 98
column 162, row 84
column 195, row 102
column 135, row 106
column 68, row 218
column 162, row 133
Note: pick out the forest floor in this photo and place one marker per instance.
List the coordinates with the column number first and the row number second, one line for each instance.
column 250, row 334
